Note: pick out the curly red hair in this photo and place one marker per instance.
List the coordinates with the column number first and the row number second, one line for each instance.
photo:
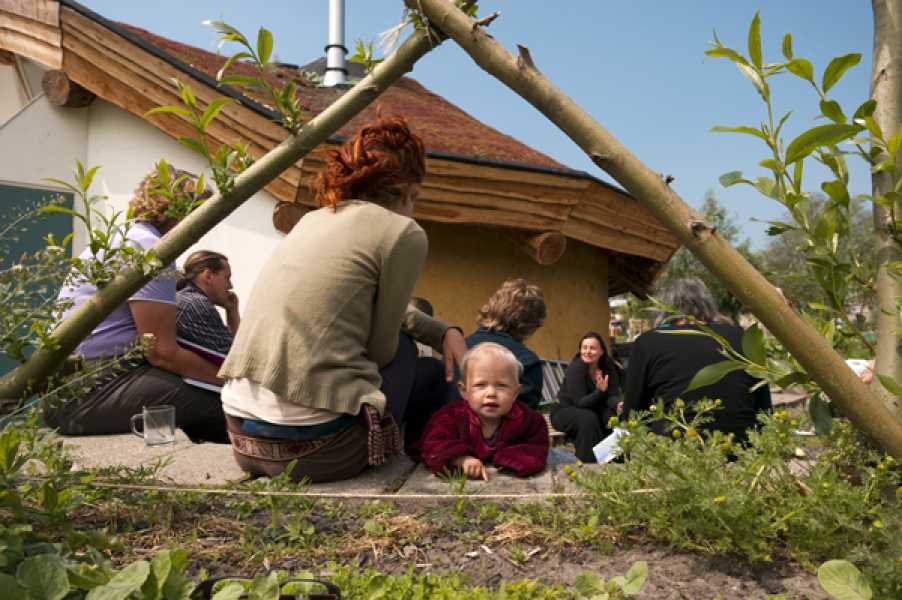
column 374, row 165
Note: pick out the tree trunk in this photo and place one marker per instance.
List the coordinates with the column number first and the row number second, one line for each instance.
column 87, row 316
column 886, row 89
column 747, row 284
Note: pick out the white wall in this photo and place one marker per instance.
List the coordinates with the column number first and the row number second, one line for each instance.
column 40, row 141
column 12, row 96
column 127, row 148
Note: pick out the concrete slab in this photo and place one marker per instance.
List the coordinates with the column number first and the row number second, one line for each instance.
column 421, row 481
column 202, row 464
column 101, row 451
column 383, row 479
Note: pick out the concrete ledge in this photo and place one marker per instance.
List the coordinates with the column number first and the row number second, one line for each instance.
column 421, row 481
column 126, row 450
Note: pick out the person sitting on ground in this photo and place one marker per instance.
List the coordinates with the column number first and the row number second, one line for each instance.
column 324, row 368
column 662, row 364
column 121, row 390
column 513, row 313
column 489, row 426
column 589, row 396
column 204, row 283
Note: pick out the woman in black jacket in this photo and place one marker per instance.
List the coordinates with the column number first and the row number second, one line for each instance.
column 589, row 396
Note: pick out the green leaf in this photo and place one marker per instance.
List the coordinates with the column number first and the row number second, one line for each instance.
column 893, row 144
column 232, row 591
column 873, row 127
column 801, row 67
column 712, row 374
column 588, row 584
column 793, row 378
column 160, row 567
column 833, row 111
column 756, row 79
column 823, row 135
column 638, row 573
column 194, row 145
column 866, row 109
column 264, row 45
column 723, row 52
column 44, row 577
column 767, row 186
column 843, row 581
column 821, row 415
column 741, row 129
column 837, row 191
column 177, row 110
column 8, row 587
column 891, row 385
column 787, row 46
column 755, row 40
column 774, row 165
column 229, row 61
column 126, row 582
column 264, row 588
column 241, row 81
column 837, row 67
column 213, row 109
column 732, row 178
column 753, row 345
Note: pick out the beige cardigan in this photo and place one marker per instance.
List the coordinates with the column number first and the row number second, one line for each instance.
column 327, row 307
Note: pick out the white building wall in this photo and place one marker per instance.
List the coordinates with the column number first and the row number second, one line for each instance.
column 127, row 148
column 41, row 141
column 12, row 96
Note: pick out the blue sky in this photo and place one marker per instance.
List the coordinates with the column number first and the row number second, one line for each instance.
column 637, row 66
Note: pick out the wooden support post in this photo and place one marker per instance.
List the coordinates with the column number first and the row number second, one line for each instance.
column 7, row 58
column 286, row 215
column 545, row 248
column 62, row 91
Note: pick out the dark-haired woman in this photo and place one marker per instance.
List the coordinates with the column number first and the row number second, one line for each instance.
column 589, row 396
column 320, row 372
column 204, row 283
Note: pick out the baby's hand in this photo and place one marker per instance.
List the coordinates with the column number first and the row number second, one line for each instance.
column 472, row 467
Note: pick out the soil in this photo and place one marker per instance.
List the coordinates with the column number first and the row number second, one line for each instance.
column 433, row 538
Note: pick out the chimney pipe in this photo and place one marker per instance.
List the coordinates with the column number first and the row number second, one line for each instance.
column 336, row 66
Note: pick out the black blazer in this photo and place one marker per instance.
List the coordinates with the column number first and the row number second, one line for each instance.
column 579, row 390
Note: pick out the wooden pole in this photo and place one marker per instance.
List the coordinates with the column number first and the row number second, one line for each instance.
column 62, row 91
column 545, row 248
column 81, row 321
column 808, row 347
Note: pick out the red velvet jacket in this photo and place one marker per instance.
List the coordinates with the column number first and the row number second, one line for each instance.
column 521, row 442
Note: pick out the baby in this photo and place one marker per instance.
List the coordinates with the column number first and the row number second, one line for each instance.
column 489, row 426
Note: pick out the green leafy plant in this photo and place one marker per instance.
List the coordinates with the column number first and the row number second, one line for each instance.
column 713, row 495
column 593, row 587
column 364, row 55
column 843, row 581
column 284, row 99
column 823, row 227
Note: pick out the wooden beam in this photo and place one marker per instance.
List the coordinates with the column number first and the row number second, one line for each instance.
column 30, row 28
column 286, row 215
column 7, row 57
column 545, row 248
column 62, row 91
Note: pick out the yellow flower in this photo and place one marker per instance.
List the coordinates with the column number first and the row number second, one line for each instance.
column 632, row 424
column 718, row 402
column 691, row 433
column 680, row 403
column 720, row 499
column 878, row 524
column 676, row 433
column 653, row 408
column 612, row 422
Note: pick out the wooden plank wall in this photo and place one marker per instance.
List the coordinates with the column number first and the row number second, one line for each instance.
column 135, row 80
column 31, row 28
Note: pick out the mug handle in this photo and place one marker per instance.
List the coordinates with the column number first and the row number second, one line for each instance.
column 140, row 434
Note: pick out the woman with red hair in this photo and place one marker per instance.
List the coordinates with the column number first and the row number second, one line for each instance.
column 324, row 369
